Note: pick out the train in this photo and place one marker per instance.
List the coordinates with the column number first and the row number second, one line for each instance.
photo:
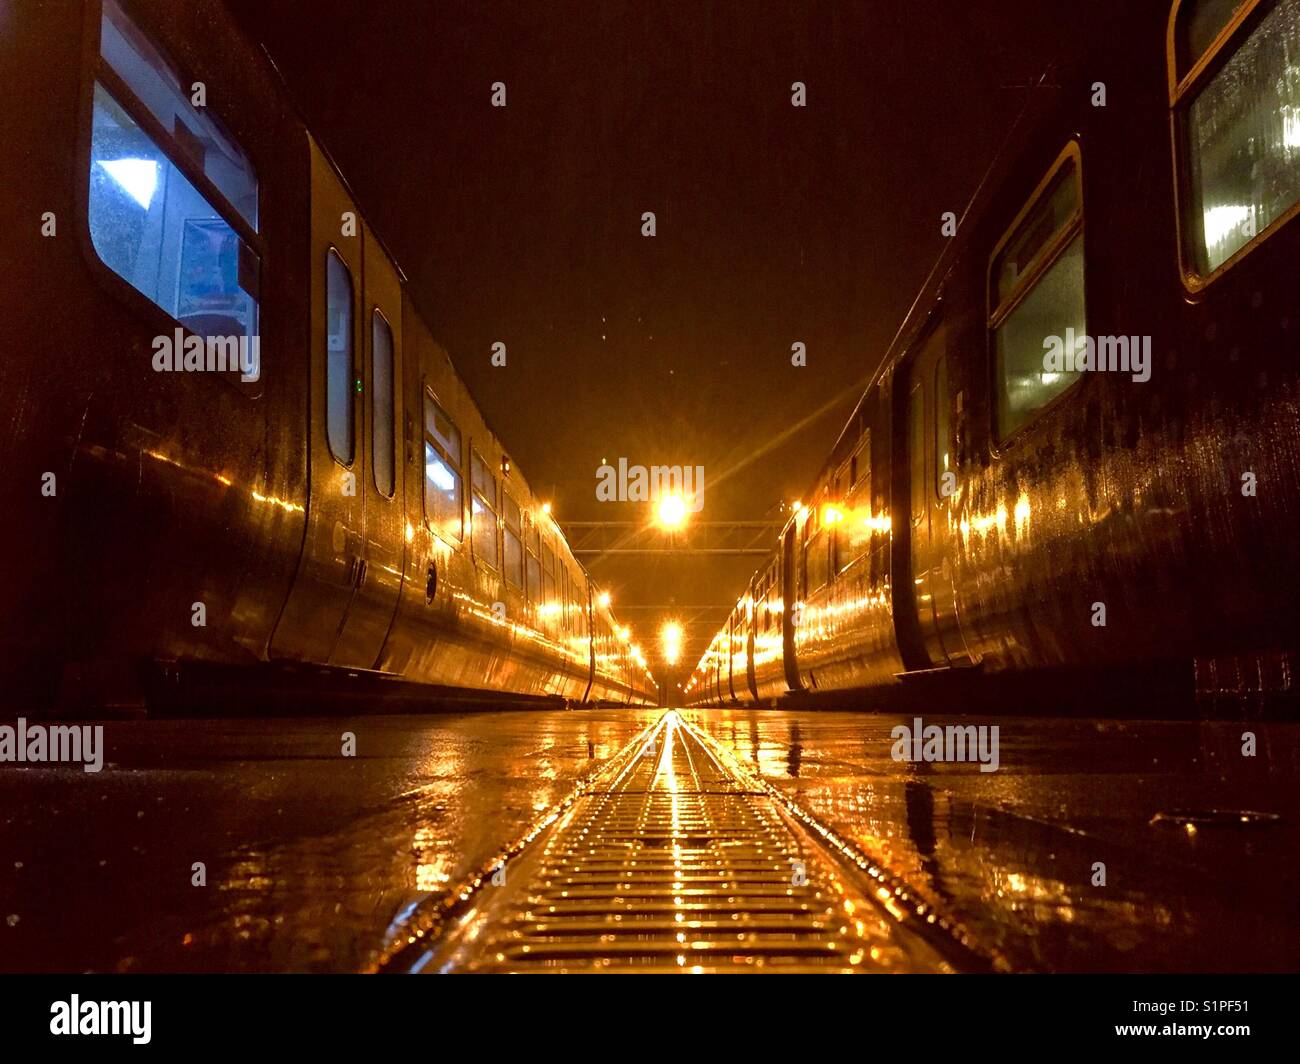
column 237, row 458
column 1080, row 456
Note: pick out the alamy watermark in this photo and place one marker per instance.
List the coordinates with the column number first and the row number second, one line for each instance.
column 637, row 483
column 39, row 744
column 953, row 743
column 1098, row 354
column 79, row 1017
column 180, row 353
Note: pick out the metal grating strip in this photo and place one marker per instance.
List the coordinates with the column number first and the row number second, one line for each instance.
column 670, row 862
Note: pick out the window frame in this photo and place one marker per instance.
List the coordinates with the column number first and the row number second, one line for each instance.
column 376, row 313
column 859, row 491
column 998, row 310
column 332, row 251
column 427, row 394
column 97, row 71
column 550, row 596
column 564, row 580
column 519, row 536
column 1182, row 93
column 816, row 538
column 494, row 508
column 533, row 554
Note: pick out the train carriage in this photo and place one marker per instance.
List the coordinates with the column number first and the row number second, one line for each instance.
column 1081, row 452
column 233, row 440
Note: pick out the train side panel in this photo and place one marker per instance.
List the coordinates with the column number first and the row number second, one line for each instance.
column 175, row 512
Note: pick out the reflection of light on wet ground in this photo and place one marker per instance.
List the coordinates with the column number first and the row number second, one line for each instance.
column 309, row 860
column 434, row 865
column 1012, row 854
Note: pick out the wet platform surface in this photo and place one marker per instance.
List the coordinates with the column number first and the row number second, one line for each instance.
column 1011, row 853
column 310, row 856
column 314, row 860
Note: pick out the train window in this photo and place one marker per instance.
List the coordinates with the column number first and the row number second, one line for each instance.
column 561, row 601
column 1199, row 23
column 483, row 510
column 566, row 601
column 550, row 604
column 172, row 205
column 339, row 415
column 1038, row 294
column 383, row 460
column 817, row 561
column 575, row 605
column 862, row 467
column 440, row 427
column 443, row 507
column 512, row 536
column 1239, row 121
column 153, row 84
column 533, row 568
column 855, row 531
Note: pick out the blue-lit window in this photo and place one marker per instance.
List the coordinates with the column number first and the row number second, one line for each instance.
column 173, row 202
column 442, row 482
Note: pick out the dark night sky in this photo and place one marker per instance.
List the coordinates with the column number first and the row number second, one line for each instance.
column 775, row 223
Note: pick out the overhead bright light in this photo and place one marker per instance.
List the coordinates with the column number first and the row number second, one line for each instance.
column 605, row 599
column 672, row 511
column 138, row 177
column 671, row 637
column 546, row 507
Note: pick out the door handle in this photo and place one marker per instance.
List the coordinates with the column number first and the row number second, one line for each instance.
column 357, row 568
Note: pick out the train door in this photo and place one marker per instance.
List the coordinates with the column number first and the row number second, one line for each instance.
column 731, row 656
column 931, row 483
column 751, row 624
column 333, row 546
column 379, row 473
column 790, row 608
column 589, row 612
